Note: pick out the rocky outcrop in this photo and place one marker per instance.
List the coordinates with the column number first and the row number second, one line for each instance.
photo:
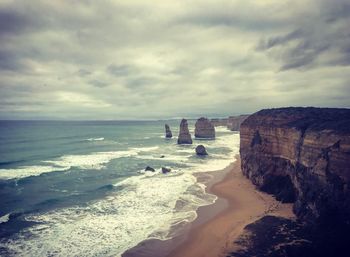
column 165, row 170
column 184, row 134
column 301, row 155
column 204, row 129
column 168, row 133
column 200, row 150
column 149, row 168
column 234, row 122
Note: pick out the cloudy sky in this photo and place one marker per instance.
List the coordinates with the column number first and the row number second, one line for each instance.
column 132, row 59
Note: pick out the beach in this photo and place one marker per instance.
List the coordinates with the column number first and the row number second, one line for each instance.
column 218, row 225
column 244, row 206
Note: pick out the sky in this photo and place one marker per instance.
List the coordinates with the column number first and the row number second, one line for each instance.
column 133, row 59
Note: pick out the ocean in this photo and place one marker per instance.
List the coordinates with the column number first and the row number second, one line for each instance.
column 78, row 188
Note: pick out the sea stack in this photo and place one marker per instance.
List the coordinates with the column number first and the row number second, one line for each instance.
column 168, row 133
column 204, row 129
column 200, row 150
column 184, row 134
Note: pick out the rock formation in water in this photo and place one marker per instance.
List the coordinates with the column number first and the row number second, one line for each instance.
column 301, row 155
column 165, row 170
column 200, row 150
column 168, row 133
column 204, row 129
column 234, row 122
column 184, row 134
column 149, row 168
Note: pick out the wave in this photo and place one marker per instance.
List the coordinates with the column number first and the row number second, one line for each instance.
column 114, row 224
column 96, row 161
column 5, row 218
column 27, row 171
column 96, row 139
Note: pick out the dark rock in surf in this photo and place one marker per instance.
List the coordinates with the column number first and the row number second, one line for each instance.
column 200, row 150
column 148, row 168
column 165, row 170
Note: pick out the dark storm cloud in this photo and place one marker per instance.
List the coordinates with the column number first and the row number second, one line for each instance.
column 12, row 22
column 341, row 10
column 279, row 40
column 314, row 41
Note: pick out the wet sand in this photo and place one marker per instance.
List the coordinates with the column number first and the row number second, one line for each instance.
column 217, row 226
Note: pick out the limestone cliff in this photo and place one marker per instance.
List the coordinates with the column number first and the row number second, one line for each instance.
column 219, row 122
column 301, row 155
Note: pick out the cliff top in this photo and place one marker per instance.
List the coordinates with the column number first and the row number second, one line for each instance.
column 302, row 118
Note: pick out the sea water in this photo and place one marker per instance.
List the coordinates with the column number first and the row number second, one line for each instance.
column 79, row 188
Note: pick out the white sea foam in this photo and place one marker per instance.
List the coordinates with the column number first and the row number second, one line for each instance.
column 221, row 129
column 143, row 208
column 27, row 171
column 95, row 161
column 96, row 139
column 5, row 218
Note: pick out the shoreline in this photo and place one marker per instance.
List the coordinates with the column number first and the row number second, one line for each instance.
column 217, row 225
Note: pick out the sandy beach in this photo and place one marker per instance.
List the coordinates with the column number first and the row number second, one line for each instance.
column 217, row 226
column 244, row 205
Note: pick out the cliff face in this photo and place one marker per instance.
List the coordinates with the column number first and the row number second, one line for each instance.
column 219, row 122
column 234, row 122
column 301, row 155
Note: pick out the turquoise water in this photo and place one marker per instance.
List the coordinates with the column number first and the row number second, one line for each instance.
column 80, row 189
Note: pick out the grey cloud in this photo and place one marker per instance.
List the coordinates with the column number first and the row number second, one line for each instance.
column 84, row 72
column 97, row 83
column 314, row 42
column 10, row 61
column 302, row 55
column 244, row 15
column 339, row 9
column 279, row 40
column 140, row 82
column 119, row 70
column 11, row 22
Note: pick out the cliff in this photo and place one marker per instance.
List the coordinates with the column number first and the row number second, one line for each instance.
column 219, row 122
column 234, row 122
column 301, row 155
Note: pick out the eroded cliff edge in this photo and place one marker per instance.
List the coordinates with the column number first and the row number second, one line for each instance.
column 301, row 155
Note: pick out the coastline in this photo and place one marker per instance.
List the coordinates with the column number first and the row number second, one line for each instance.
column 218, row 225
